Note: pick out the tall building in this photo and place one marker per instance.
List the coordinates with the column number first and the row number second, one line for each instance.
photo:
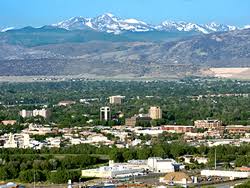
column 27, row 114
column 43, row 112
column 105, row 113
column 155, row 112
column 116, row 99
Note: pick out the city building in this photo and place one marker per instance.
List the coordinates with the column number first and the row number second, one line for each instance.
column 10, row 143
column 155, row 112
column 27, row 113
column 237, row 129
column 177, row 128
column 131, row 122
column 115, row 170
column 17, row 141
column 155, row 131
column 208, row 124
column 105, row 113
column 133, row 168
column 43, row 112
column 35, row 129
column 159, row 165
column 116, row 99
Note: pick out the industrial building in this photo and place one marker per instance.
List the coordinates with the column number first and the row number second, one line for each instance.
column 133, row 168
column 223, row 173
column 159, row 165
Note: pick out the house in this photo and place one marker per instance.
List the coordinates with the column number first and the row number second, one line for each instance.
column 173, row 178
column 8, row 122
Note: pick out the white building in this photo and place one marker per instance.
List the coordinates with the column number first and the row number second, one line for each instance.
column 159, row 165
column 27, row 114
column 222, row 173
column 115, row 170
column 10, row 143
column 43, row 112
column 17, row 141
column 105, row 113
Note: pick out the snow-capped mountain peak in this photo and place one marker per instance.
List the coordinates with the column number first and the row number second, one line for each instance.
column 7, row 29
column 105, row 23
column 111, row 24
column 181, row 26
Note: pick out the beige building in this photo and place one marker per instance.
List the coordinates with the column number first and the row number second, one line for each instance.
column 116, row 99
column 8, row 122
column 208, row 124
column 174, row 178
column 155, row 112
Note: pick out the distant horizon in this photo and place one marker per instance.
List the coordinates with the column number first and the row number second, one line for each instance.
column 22, row 13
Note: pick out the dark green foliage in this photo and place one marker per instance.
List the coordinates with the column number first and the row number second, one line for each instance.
column 175, row 99
column 62, row 176
column 244, row 185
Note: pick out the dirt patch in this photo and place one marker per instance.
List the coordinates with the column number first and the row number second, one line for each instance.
column 234, row 73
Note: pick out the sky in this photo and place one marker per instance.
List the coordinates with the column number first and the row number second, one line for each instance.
column 20, row 13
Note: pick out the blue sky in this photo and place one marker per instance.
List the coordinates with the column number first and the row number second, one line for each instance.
column 20, row 13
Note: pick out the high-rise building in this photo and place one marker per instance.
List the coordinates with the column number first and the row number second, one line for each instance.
column 116, row 99
column 27, row 114
column 105, row 113
column 43, row 112
column 155, row 112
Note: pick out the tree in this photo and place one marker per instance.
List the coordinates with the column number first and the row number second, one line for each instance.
column 3, row 173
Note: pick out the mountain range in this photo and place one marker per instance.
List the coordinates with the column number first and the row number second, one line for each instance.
column 111, row 24
column 110, row 47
